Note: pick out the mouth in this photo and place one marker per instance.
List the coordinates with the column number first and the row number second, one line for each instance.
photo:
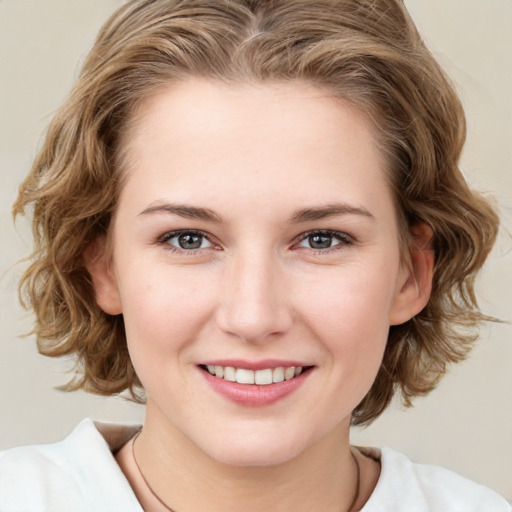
column 255, row 383
column 261, row 377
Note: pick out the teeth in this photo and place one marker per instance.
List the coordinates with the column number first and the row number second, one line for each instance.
column 259, row 377
column 263, row 377
column 289, row 373
column 244, row 376
column 229, row 374
column 278, row 374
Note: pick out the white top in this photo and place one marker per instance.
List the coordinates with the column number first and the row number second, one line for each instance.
column 80, row 474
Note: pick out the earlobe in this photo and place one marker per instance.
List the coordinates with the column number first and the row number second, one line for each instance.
column 104, row 283
column 416, row 286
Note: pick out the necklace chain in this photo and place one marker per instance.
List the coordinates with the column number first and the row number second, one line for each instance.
column 155, row 495
column 350, row 509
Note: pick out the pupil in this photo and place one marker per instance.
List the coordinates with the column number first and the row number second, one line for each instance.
column 320, row 241
column 188, row 241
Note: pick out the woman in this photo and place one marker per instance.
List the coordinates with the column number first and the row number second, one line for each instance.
column 249, row 214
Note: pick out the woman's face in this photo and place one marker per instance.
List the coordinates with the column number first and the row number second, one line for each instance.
column 255, row 232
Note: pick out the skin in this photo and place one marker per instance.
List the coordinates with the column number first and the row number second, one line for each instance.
column 254, row 155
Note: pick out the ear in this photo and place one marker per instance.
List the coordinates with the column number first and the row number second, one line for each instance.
column 415, row 283
column 105, row 287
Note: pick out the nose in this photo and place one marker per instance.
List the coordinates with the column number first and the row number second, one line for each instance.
column 254, row 303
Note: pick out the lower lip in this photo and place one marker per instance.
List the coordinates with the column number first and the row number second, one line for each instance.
column 253, row 395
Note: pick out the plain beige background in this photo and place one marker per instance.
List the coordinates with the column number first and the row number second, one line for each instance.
column 465, row 425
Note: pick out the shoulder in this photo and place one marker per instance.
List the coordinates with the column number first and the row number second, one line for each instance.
column 74, row 474
column 405, row 486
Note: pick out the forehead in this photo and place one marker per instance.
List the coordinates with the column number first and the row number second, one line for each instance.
column 196, row 106
column 253, row 139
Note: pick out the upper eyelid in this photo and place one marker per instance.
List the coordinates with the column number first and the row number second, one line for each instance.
column 332, row 232
column 176, row 232
column 166, row 237
column 341, row 235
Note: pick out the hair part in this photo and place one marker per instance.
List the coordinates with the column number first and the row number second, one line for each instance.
column 366, row 52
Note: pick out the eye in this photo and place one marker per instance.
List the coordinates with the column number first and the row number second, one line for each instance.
column 320, row 240
column 186, row 240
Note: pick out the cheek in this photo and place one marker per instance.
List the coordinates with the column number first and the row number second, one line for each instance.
column 349, row 312
column 163, row 311
column 352, row 300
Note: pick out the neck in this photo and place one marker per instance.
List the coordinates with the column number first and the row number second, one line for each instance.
column 323, row 477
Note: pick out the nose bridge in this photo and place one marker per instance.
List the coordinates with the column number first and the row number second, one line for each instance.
column 253, row 305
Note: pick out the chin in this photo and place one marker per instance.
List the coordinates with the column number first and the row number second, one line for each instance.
column 254, row 458
column 255, row 450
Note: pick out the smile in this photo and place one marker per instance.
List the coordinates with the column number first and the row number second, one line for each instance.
column 255, row 384
column 262, row 377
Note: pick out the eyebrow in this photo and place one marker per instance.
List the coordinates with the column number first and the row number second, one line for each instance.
column 183, row 210
column 304, row 215
column 331, row 210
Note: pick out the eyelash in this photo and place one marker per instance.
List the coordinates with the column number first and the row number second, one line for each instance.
column 165, row 238
column 343, row 238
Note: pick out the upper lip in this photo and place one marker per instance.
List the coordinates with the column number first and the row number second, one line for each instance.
column 254, row 365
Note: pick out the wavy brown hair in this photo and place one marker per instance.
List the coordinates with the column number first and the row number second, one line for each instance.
column 367, row 52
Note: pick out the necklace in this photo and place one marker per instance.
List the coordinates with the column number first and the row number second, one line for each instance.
column 142, row 474
column 350, row 509
column 355, row 499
